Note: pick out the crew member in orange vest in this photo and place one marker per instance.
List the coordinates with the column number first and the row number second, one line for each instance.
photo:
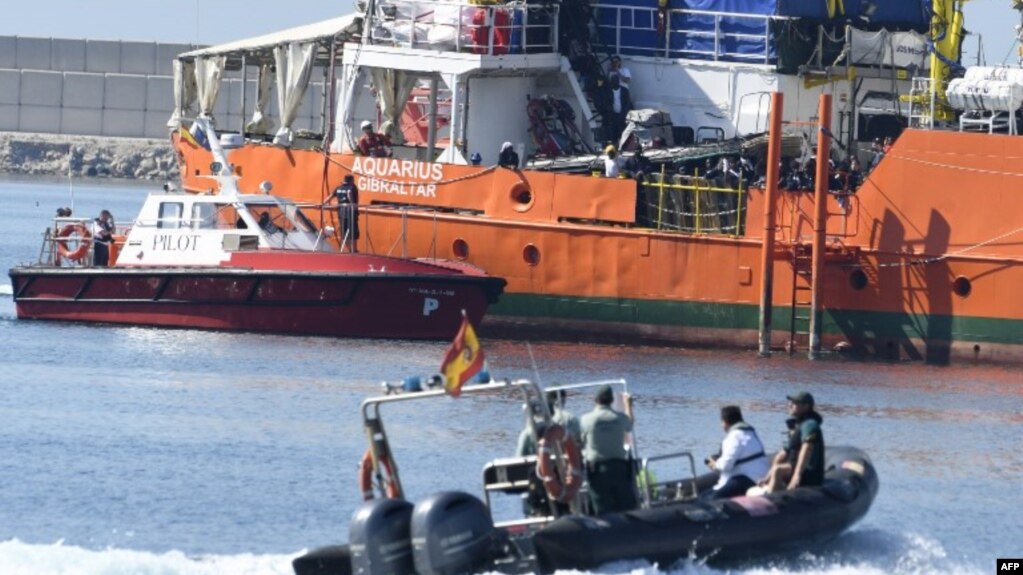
column 373, row 143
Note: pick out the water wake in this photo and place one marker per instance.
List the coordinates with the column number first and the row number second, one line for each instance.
column 17, row 558
column 865, row 552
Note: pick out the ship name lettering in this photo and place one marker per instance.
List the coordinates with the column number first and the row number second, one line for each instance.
column 175, row 242
column 396, row 188
column 390, row 168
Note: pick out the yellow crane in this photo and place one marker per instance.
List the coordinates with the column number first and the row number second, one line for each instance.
column 946, row 37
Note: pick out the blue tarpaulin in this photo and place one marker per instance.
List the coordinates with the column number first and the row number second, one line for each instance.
column 762, row 7
column 737, row 28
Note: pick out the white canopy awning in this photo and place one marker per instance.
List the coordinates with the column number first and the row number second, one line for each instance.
column 343, row 28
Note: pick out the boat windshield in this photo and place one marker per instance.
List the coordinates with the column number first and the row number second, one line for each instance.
column 286, row 226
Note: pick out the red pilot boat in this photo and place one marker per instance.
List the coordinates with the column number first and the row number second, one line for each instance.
column 234, row 261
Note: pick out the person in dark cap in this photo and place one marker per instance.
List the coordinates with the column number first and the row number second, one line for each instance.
column 347, row 197
column 603, row 433
column 800, row 463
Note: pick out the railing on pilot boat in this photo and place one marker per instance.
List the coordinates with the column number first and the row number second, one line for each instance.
column 69, row 243
column 489, row 30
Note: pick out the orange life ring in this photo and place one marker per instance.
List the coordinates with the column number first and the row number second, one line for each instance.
column 558, row 488
column 84, row 242
column 366, row 477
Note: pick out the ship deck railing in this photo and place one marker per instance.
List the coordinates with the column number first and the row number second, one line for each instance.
column 691, row 204
column 489, row 30
column 685, row 33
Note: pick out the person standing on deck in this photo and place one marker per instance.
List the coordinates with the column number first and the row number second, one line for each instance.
column 372, row 143
column 508, row 158
column 608, row 468
column 621, row 105
column 347, row 197
column 102, row 237
column 617, row 69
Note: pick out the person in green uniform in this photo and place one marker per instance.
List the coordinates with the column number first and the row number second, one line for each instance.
column 559, row 415
column 800, row 463
column 608, row 469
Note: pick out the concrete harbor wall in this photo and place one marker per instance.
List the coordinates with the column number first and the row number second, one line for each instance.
column 53, row 91
column 86, row 87
column 111, row 88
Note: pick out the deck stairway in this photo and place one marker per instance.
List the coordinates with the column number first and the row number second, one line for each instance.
column 586, row 65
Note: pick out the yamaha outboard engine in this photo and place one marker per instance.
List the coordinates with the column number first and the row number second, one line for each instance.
column 380, row 541
column 452, row 534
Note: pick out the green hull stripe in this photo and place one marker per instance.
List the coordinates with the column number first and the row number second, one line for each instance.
column 853, row 324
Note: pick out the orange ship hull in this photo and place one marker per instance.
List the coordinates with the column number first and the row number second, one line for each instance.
column 919, row 266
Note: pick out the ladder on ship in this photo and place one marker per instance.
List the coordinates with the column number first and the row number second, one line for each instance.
column 921, row 104
column 802, row 298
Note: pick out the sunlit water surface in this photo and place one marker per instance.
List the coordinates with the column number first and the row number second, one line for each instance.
column 150, row 451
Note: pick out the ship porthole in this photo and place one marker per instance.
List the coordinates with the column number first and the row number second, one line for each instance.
column 522, row 196
column 460, row 248
column 531, row 254
column 962, row 286
column 858, row 279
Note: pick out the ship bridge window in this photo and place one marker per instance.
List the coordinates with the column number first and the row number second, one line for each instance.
column 208, row 216
column 170, row 215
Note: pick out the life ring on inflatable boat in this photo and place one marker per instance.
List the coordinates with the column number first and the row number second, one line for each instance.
column 559, row 489
column 84, row 241
column 366, row 470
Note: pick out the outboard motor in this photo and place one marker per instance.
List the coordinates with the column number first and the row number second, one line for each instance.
column 452, row 534
column 380, row 541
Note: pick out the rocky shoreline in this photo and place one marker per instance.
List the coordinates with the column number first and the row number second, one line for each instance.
column 86, row 156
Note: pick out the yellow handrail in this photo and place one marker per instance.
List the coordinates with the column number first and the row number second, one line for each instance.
column 660, row 199
column 699, row 187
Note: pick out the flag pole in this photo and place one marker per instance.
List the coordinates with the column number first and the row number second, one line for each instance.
column 532, row 360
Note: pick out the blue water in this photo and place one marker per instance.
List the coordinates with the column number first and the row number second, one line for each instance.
column 137, row 450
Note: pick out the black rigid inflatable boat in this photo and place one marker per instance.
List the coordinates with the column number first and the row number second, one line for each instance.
column 453, row 533
column 719, row 530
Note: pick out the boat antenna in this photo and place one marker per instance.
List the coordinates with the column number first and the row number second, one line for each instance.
column 70, row 180
column 532, row 360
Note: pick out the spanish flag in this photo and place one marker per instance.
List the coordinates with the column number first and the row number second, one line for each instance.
column 463, row 359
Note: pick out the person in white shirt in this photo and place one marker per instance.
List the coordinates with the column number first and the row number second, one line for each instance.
column 612, row 163
column 617, row 69
column 742, row 460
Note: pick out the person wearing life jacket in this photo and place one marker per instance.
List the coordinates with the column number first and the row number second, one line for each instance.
column 373, row 143
column 800, row 463
column 741, row 461
column 102, row 236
